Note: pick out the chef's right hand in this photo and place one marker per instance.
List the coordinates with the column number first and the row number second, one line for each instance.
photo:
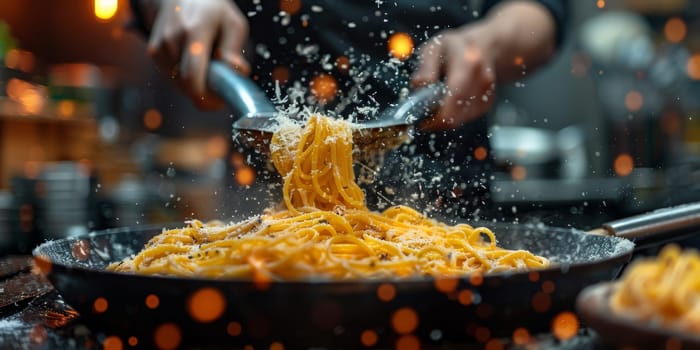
column 186, row 34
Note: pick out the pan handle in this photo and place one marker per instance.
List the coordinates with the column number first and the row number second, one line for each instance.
column 659, row 226
column 242, row 95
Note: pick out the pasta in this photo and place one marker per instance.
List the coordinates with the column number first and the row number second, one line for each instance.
column 663, row 291
column 323, row 229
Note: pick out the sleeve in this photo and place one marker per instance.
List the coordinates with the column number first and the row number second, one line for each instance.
column 559, row 9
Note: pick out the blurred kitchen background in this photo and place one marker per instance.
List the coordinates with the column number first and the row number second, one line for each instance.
column 92, row 136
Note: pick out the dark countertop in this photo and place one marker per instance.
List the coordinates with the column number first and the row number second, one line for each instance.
column 34, row 316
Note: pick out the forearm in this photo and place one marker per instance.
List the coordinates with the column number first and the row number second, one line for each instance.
column 523, row 37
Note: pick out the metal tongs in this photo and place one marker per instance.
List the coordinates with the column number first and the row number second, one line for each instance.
column 255, row 117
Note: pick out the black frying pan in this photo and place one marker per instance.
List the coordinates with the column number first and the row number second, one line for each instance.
column 335, row 314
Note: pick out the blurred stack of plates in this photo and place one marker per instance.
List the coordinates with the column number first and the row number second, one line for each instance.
column 22, row 213
column 5, row 233
column 63, row 199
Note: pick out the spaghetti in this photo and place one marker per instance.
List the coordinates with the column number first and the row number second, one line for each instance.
column 663, row 291
column 323, row 228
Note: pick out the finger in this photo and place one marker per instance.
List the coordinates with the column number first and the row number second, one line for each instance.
column 164, row 47
column 460, row 85
column 234, row 35
column 195, row 62
column 431, row 58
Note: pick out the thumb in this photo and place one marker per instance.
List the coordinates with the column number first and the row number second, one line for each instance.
column 430, row 64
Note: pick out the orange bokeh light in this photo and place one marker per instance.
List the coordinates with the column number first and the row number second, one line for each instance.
column 206, row 305
column 494, row 344
column 518, row 60
column 342, row 63
column 152, row 301
column 533, row 276
column 65, row 109
column 234, row 329
column 245, row 176
column 368, row 338
column 237, row 160
column 386, row 292
column 476, row 279
column 565, row 325
column 548, row 287
column 152, row 119
column 675, row 30
column 518, row 173
column 634, row 101
column 482, row 334
column 324, row 87
column 408, row 342
column 291, row 7
column 100, row 305
column 624, row 164
column 276, row 346
column 401, row 45
column 196, row 48
column 521, row 336
column 465, row 297
column 445, row 284
column 600, row 4
column 217, row 146
column 541, row 302
column 693, row 67
column 404, row 320
column 167, row 336
column 480, row 153
column 112, row 343
column 106, row 9
column 133, row 341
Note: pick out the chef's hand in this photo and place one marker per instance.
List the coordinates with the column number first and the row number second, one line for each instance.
column 186, row 34
column 515, row 38
column 465, row 57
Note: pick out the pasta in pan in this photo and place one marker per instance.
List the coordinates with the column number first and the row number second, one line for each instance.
column 323, row 228
column 663, row 291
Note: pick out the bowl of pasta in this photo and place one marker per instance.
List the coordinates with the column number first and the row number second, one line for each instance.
column 655, row 305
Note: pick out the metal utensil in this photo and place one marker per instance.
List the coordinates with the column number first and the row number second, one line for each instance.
column 256, row 116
